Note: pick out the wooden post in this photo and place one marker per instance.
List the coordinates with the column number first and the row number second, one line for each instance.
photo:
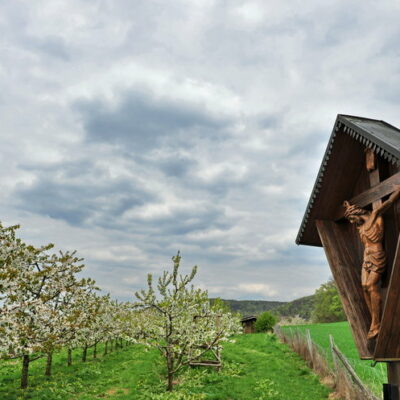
column 332, row 345
column 390, row 392
column 393, row 371
column 310, row 346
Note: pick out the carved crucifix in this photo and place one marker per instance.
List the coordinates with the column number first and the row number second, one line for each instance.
column 370, row 227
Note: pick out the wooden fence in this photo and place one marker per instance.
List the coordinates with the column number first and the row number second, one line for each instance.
column 341, row 376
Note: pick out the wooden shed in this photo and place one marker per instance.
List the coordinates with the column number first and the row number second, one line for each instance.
column 248, row 324
column 348, row 173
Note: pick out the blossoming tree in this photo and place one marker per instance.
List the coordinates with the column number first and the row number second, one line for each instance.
column 180, row 322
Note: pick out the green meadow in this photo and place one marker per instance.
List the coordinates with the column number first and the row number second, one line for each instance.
column 256, row 367
column 373, row 375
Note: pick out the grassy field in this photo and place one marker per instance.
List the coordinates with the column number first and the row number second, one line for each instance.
column 372, row 376
column 257, row 367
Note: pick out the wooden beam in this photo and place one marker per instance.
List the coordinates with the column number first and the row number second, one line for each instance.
column 371, row 195
column 374, row 176
column 337, row 240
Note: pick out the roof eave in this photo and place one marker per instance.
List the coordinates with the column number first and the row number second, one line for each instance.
column 380, row 147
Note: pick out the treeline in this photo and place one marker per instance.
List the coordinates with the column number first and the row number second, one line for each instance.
column 323, row 306
column 251, row 307
column 302, row 307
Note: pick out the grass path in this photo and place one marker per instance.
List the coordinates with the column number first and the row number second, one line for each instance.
column 257, row 367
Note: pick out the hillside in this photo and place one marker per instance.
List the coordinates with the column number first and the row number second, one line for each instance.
column 251, row 307
column 302, row 307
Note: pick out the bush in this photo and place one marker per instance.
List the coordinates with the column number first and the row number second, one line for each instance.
column 265, row 322
column 327, row 306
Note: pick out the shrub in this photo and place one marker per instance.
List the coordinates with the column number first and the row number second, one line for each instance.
column 265, row 322
column 327, row 306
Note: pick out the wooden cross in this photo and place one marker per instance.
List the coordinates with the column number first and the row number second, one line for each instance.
column 374, row 194
column 393, row 368
column 372, row 167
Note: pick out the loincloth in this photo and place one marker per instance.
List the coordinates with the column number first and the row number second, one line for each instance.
column 374, row 261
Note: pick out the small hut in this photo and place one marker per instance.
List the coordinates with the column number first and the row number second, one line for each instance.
column 249, row 324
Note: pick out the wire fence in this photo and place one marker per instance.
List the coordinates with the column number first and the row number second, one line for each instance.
column 341, row 376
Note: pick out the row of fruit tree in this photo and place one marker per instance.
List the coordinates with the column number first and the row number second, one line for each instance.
column 45, row 306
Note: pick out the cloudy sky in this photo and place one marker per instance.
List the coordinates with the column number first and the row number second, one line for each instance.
column 132, row 129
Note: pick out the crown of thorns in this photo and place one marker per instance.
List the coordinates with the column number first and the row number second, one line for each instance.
column 352, row 209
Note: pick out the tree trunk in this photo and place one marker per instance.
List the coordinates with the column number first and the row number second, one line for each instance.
column 69, row 358
column 95, row 351
column 106, row 348
column 170, row 386
column 170, row 368
column 49, row 363
column 25, row 370
column 84, row 354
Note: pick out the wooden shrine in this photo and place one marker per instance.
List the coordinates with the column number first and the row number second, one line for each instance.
column 357, row 183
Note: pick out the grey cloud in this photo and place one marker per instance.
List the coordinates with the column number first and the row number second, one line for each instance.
column 54, row 46
column 174, row 226
column 268, row 121
column 177, row 167
column 142, row 121
column 82, row 193
column 80, row 203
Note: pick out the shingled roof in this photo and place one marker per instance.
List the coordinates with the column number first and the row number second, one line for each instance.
column 350, row 135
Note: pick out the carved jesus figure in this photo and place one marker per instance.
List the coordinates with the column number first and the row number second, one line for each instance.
column 371, row 229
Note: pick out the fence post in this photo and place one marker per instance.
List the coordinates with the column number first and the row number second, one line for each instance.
column 332, row 344
column 310, row 346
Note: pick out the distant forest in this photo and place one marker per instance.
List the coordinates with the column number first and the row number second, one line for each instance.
column 302, row 307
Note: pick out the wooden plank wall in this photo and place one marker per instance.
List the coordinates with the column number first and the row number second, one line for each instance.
column 388, row 343
column 339, row 244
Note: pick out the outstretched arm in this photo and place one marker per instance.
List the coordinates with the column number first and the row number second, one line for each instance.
column 385, row 205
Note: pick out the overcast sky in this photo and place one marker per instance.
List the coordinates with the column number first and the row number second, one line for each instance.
column 132, row 129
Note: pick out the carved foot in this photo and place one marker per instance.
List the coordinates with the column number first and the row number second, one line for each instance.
column 373, row 332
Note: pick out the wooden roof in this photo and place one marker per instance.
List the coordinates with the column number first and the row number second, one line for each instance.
column 249, row 318
column 341, row 166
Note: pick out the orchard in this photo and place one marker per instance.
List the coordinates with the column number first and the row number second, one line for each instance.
column 45, row 307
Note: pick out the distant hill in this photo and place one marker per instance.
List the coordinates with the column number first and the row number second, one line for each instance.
column 252, row 307
column 302, row 307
